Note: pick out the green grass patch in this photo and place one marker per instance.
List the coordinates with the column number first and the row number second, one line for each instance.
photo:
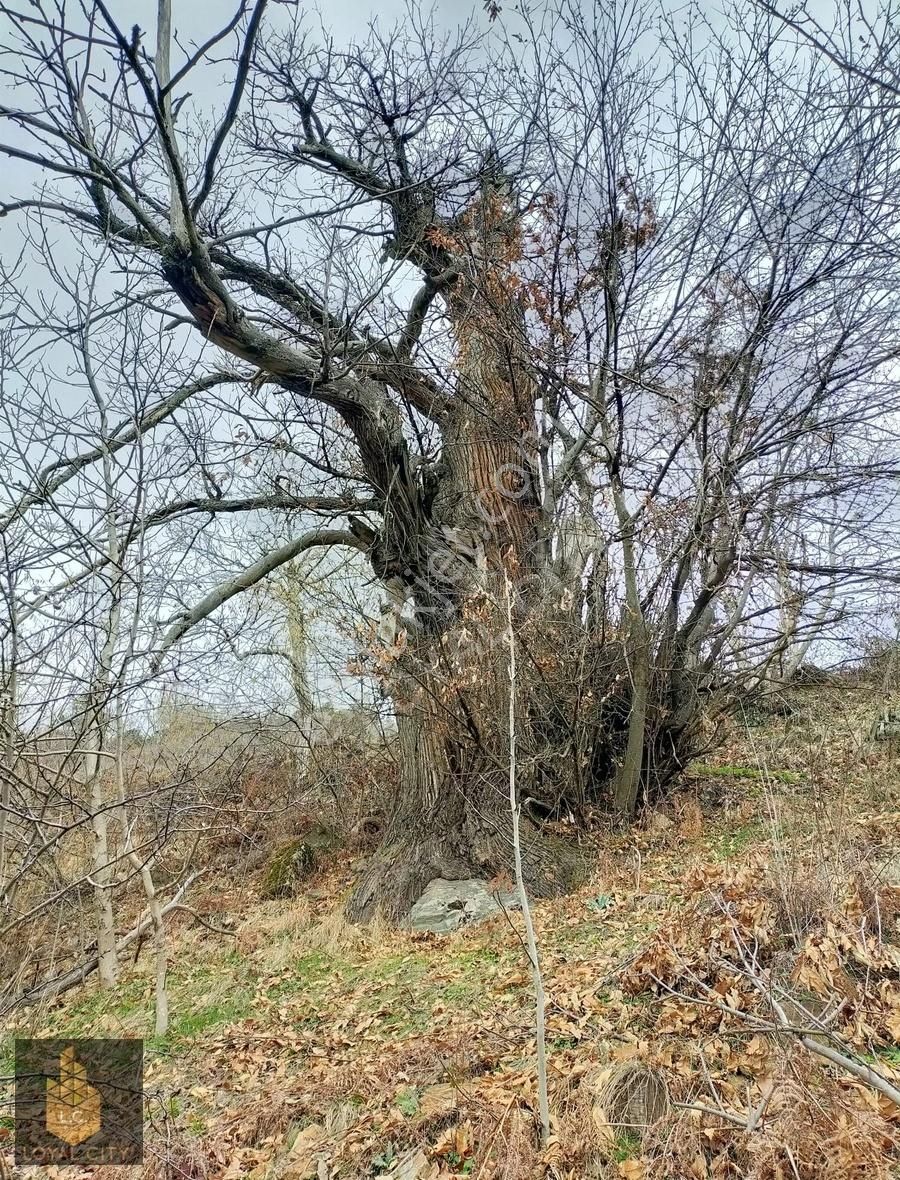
column 189, row 1024
column 192, row 1023
column 476, row 957
column 315, row 967
column 309, row 974
column 628, row 1145
column 460, row 991
column 738, row 840
column 101, row 1011
column 756, row 773
column 7, row 1056
column 565, row 1043
column 397, row 969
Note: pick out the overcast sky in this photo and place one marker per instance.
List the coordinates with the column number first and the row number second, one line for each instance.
column 194, row 21
column 209, row 86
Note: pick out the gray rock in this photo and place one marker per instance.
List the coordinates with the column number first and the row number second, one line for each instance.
column 654, row 901
column 887, row 871
column 447, row 905
column 886, row 726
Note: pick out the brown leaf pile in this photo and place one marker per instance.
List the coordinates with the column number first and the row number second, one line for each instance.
column 725, row 978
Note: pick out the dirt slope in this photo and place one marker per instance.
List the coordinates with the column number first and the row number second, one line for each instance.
column 304, row 1047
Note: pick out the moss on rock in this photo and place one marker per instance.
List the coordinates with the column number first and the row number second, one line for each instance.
column 296, row 860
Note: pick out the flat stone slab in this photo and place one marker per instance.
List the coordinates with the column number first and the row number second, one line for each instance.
column 447, row 905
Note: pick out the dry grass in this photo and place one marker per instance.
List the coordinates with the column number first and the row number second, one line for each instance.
column 379, row 1045
column 275, row 930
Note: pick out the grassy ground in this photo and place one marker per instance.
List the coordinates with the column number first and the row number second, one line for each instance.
column 304, row 1047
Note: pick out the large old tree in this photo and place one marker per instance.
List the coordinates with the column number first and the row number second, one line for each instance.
column 555, row 319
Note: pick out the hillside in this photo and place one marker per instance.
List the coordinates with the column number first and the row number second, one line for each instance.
column 303, row 1047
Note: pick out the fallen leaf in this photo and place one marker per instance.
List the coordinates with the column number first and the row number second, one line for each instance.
column 438, row 1100
column 415, row 1165
column 302, row 1159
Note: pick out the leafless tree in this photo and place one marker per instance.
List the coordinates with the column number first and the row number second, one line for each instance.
column 861, row 40
column 506, row 302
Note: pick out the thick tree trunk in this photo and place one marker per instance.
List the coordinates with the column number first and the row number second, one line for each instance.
column 451, row 819
column 451, row 816
column 480, row 523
